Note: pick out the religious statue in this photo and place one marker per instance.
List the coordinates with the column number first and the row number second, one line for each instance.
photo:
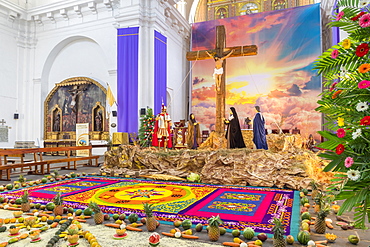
column 219, row 69
column 162, row 129
column 310, row 143
column 98, row 121
column 193, row 135
column 56, row 125
column 259, row 132
column 234, row 134
column 74, row 93
column 247, row 123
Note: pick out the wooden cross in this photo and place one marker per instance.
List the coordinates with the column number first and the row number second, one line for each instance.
column 2, row 122
column 221, row 50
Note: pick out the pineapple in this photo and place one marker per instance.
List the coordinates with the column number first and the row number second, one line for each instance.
column 278, row 231
column 318, row 201
column 58, row 201
column 151, row 222
column 98, row 215
column 314, row 188
column 320, row 225
column 25, row 202
column 21, row 179
column 55, row 174
column 214, row 229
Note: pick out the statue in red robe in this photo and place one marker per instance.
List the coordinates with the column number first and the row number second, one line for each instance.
column 162, row 130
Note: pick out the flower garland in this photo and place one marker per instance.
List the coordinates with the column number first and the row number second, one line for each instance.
column 146, row 128
column 345, row 104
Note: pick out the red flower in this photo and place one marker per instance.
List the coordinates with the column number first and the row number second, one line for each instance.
column 341, row 133
column 362, row 50
column 365, row 121
column 355, row 18
column 339, row 149
column 332, row 87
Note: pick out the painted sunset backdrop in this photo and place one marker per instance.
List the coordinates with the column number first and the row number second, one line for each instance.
column 279, row 78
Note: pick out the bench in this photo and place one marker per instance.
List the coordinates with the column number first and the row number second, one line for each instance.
column 41, row 165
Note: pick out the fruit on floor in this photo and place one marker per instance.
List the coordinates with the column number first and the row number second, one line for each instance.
column 235, row 233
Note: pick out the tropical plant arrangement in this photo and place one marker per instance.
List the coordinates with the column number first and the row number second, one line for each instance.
column 146, row 128
column 345, row 104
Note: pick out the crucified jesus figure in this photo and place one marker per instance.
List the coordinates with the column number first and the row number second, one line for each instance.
column 219, row 69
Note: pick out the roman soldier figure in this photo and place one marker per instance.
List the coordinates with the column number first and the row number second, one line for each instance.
column 162, row 130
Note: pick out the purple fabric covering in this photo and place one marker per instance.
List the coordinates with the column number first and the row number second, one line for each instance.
column 335, row 30
column 127, row 79
column 160, row 71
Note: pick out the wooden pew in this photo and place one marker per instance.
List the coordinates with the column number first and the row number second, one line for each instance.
column 6, row 167
column 39, row 161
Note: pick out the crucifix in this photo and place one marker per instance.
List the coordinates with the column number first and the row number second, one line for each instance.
column 2, row 122
column 222, row 51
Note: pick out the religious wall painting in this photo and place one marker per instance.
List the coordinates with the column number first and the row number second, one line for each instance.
column 74, row 101
column 280, row 78
column 248, row 8
column 212, row 9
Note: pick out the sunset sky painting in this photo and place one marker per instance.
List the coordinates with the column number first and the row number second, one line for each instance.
column 279, row 78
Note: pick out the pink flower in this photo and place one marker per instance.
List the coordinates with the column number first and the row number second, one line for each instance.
column 341, row 133
column 339, row 16
column 348, row 162
column 365, row 20
column 363, row 84
column 334, row 54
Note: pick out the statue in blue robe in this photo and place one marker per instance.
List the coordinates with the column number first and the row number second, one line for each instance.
column 259, row 132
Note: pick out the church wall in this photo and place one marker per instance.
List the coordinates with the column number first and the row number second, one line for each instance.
column 67, row 39
column 159, row 16
column 11, row 51
column 85, row 52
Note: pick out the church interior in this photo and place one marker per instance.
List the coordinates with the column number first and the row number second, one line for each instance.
column 184, row 123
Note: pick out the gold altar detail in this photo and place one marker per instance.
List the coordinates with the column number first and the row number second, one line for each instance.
column 120, row 138
column 75, row 100
column 179, row 137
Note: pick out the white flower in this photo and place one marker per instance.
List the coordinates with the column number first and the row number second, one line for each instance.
column 353, row 174
column 356, row 134
column 362, row 106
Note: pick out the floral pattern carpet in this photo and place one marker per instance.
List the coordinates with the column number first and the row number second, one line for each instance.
column 238, row 206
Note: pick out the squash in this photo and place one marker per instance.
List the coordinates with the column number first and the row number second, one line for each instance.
column 248, row 233
column 133, row 217
column 305, row 215
column 303, row 237
column 304, row 200
column 186, row 224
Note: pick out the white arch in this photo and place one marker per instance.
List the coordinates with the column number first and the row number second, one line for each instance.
column 50, row 60
column 193, row 9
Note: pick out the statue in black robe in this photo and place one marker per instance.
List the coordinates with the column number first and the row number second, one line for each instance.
column 259, row 132
column 234, row 134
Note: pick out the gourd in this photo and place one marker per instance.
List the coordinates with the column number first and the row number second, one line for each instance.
column 303, row 237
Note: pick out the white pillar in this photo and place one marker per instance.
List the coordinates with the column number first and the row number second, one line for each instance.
column 181, row 7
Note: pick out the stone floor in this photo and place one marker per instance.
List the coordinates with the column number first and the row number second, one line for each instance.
column 342, row 234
